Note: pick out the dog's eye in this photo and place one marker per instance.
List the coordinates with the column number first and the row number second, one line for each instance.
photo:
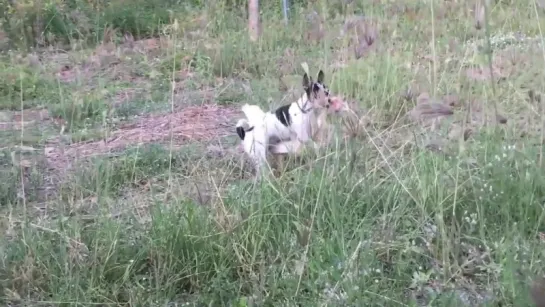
column 326, row 91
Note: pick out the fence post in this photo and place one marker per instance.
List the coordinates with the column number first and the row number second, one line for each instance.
column 285, row 9
column 253, row 19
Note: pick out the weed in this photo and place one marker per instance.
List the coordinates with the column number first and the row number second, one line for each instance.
column 133, row 167
column 81, row 111
column 413, row 211
column 22, row 87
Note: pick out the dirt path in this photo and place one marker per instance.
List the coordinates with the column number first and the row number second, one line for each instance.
column 190, row 124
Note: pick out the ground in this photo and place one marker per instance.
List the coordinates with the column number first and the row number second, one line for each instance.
column 122, row 182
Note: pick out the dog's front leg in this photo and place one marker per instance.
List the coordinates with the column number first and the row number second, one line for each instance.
column 279, row 164
column 286, row 147
column 316, row 146
column 318, row 140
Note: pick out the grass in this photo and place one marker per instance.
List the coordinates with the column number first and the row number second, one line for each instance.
column 99, row 214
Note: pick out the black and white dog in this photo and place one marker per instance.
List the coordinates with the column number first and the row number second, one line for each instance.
column 273, row 131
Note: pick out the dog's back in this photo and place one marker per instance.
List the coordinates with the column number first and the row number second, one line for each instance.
column 254, row 114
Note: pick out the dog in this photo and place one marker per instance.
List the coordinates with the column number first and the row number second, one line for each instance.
column 320, row 130
column 261, row 131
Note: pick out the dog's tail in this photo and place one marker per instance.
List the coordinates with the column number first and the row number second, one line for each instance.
column 253, row 113
column 254, row 116
column 242, row 127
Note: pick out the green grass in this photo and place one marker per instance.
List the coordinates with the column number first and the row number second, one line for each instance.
column 378, row 220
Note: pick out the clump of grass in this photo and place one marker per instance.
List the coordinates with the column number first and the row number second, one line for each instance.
column 32, row 24
column 369, row 221
column 24, row 176
column 81, row 111
column 142, row 19
column 180, row 61
column 23, row 87
column 9, row 187
column 133, row 167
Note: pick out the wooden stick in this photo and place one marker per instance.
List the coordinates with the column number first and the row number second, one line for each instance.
column 253, row 19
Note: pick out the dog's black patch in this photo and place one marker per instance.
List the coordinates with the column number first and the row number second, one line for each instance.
column 242, row 133
column 283, row 115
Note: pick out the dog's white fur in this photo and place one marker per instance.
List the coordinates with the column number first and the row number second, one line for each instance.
column 266, row 126
column 261, row 128
column 320, row 130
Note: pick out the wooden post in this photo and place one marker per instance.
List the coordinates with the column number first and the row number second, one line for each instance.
column 253, row 19
column 285, row 6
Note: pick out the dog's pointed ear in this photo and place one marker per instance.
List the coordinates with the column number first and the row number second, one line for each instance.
column 321, row 77
column 307, row 83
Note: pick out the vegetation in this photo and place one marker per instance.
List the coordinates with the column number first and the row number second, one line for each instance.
column 121, row 182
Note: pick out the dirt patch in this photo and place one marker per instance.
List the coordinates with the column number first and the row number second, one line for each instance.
column 191, row 124
column 108, row 59
column 18, row 120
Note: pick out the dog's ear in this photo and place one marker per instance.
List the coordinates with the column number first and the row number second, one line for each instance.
column 321, row 77
column 306, row 81
column 307, row 84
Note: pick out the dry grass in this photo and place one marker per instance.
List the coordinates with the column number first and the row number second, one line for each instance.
column 122, row 184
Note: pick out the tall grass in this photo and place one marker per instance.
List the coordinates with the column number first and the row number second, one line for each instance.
column 377, row 220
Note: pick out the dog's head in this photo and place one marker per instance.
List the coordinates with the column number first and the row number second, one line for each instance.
column 317, row 92
column 319, row 96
